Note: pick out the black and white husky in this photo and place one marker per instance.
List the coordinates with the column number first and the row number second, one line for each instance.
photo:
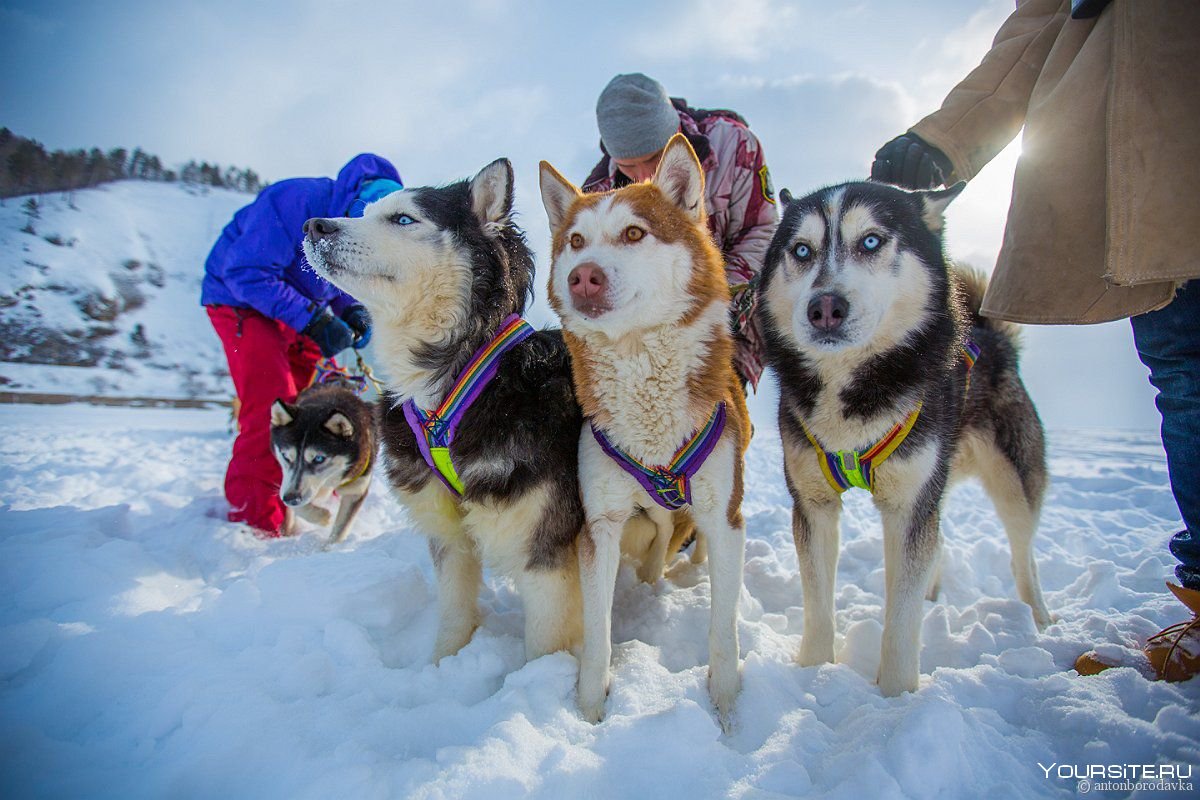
column 325, row 444
column 872, row 337
column 442, row 272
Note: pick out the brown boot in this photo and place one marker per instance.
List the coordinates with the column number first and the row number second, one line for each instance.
column 1173, row 654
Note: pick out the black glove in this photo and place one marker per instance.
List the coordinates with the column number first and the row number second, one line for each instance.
column 911, row 162
column 330, row 333
column 359, row 320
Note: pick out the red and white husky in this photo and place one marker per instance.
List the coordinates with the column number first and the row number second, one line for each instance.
column 644, row 302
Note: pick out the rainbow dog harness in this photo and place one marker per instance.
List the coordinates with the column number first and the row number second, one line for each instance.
column 435, row 428
column 670, row 485
column 846, row 469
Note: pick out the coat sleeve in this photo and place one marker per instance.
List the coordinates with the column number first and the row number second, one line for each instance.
column 986, row 110
column 255, row 264
column 341, row 301
column 749, row 228
column 752, row 213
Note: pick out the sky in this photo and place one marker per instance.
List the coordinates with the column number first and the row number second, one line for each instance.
column 443, row 88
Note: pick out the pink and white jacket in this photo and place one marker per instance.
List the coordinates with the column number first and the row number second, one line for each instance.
column 741, row 213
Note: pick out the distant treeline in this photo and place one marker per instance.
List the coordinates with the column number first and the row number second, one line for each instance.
column 26, row 168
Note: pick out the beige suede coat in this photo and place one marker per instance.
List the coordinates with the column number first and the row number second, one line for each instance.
column 1104, row 221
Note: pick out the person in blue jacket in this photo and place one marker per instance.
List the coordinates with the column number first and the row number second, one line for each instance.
column 277, row 318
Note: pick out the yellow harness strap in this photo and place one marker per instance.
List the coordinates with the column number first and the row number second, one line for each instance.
column 845, row 469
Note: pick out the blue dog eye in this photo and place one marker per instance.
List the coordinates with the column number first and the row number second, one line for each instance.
column 403, row 219
column 803, row 252
column 871, row 243
column 318, row 459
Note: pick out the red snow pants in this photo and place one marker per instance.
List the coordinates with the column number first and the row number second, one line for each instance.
column 267, row 360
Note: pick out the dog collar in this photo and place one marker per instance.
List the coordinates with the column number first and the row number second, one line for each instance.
column 846, row 469
column 363, row 471
column 435, row 428
column 670, row 486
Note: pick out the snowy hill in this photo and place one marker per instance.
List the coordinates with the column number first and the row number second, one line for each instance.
column 150, row 649
column 104, row 298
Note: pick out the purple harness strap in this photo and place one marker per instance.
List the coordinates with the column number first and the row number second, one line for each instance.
column 434, row 429
column 670, row 486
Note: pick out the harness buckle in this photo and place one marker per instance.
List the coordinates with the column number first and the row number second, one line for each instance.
column 435, row 427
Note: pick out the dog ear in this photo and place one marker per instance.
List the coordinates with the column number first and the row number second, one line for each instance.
column 680, row 176
column 785, row 197
column 492, row 192
column 340, row 425
column 282, row 414
column 935, row 202
column 558, row 194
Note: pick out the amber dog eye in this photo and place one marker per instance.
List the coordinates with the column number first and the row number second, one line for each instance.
column 633, row 233
column 576, row 240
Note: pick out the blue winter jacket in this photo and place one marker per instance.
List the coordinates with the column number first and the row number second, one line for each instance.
column 258, row 261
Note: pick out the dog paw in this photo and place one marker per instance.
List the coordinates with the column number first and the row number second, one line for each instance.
column 334, row 540
column 814, row 654
column 315, row 514
column 592, row 693
column 449, row 643
column 591, row 704
column 894, row 685
column 592, row 712
column 1044, row 620
column 650, row 574
column 723, row 688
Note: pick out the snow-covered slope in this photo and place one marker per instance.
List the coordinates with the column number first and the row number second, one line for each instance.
column 104, row 297
column 103, row 300
column 148, row 648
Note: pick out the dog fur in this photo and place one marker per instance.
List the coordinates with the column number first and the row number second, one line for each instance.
column 652, row 356
column 439, row 269
column 904, row 316
column 325, row 445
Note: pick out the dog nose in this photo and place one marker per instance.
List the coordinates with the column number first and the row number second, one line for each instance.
column 291, row 499
column 827, row 311
column 587, row 280
column 318, row 228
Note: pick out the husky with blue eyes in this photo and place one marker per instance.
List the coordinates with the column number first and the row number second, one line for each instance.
column 479, row 422
column 892, row 382
column 325, row 445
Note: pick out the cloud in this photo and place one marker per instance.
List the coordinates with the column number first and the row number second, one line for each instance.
column 959, row 51
column 745, row 30
column 819, row 129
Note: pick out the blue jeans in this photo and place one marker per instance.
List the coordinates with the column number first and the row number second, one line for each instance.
column 1168, row 342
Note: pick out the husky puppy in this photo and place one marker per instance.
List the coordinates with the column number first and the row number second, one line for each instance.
column 645, row 308
column 442, row 271
column 325, row 443
column 872, row 335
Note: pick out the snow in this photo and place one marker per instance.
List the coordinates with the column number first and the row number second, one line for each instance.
column 149, row 648
column 130, row 239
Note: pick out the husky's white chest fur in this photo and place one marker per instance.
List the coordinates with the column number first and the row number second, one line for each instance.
column 640, row 384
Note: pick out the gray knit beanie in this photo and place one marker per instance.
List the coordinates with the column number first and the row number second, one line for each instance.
column 635, row 116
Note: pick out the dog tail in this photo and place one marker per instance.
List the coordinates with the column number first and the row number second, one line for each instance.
column 970, row 284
